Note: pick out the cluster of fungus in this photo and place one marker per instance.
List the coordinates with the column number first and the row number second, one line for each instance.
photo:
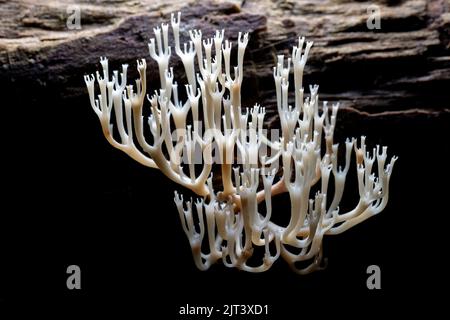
column 212, row 125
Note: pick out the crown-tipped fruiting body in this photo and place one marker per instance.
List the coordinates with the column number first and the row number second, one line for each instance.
column 212, row 127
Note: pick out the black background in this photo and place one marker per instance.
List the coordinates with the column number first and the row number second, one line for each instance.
column 70, row 198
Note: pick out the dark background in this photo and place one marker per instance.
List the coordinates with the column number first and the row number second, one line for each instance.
column 73, row 199
column 70, row 198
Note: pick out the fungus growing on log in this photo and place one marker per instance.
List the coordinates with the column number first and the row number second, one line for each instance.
column 186, row 140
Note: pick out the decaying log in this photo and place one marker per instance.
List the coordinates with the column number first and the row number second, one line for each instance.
column 402, row 68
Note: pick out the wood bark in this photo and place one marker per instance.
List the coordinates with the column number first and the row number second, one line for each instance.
column 401, row 69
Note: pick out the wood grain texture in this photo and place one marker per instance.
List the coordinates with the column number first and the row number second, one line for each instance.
column 403, row 69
